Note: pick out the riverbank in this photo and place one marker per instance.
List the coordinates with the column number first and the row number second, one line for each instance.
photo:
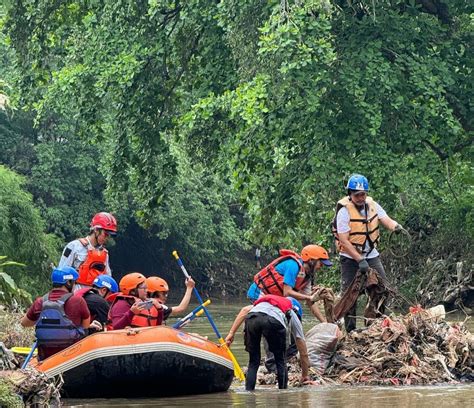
column 358, row 345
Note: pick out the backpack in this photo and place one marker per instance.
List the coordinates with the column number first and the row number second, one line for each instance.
column 54, row 328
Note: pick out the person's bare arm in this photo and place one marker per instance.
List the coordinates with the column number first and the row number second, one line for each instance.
column 289, row 291
column 86, row 323
column 304, row 359
column 25, row 322
column 186, row 298
column 237, row 323
column 315, row 311
column 348, row 247
column 388, row 223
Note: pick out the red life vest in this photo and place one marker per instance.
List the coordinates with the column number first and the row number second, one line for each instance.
column 94, row 265
column 270, row 281
column 146, row 318
column 82, row 292
column 280, row 302
column 111, row 297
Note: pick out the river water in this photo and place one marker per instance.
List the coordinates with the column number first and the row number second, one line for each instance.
column 461, row 395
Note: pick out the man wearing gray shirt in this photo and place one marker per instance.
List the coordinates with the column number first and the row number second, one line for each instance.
column 356, row 230
column 274, row 318
column 88, row 255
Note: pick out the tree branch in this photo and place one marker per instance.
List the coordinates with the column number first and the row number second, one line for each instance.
column 442, row 155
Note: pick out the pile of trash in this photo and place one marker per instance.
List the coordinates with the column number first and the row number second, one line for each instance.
column 414, row 349
column 33, row 387
column 405, row 350
column 12, row 333
column 22, row 388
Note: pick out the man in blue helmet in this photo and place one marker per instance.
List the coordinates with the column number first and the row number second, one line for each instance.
column 356, row 231
column 95, row 297
column 60, row 318
column 274, row 318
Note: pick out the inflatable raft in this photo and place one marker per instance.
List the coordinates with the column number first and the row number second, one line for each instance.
column 145, row 362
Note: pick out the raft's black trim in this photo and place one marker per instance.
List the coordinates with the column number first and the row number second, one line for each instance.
column 153, row 374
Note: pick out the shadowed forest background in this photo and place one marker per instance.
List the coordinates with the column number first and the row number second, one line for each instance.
column 215, row 127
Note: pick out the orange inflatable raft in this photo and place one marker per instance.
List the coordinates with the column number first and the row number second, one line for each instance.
column 145, row 362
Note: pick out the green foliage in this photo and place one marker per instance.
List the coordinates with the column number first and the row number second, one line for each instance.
column 10, row 293
column 200, row 106
column 22, row 234
column 8, row 397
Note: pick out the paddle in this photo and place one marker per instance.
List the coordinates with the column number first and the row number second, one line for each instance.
column 198, row 311
column 28, row 357
column 237, row 370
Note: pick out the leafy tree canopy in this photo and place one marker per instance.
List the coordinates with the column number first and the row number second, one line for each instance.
column 275, row 101
column 22, row 234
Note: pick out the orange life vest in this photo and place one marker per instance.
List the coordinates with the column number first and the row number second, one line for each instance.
column 363, row 228
column 146, row 318
column 270, row 281
column 94, row 265
column 282, row 303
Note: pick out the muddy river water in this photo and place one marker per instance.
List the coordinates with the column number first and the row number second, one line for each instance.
column 450, row 395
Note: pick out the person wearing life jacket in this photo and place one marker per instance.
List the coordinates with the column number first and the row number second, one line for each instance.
column 292, row 274
column 157, row 288
column 59, row 317
column 131, row 307
column 274, row 318
column 88, row 255
column 356, row 231
column 95, row 297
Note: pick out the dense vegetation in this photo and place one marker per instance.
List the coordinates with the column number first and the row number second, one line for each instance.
column 215, row 126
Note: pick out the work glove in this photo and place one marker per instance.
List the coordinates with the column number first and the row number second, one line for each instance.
column 363, row 266
column 398, row 229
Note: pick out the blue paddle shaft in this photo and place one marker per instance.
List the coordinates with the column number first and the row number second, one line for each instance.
column 190, row 316
column 28, row 357
column 198, row 296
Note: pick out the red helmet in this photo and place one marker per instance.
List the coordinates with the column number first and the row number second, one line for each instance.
column 156, row 284
column 105, row 221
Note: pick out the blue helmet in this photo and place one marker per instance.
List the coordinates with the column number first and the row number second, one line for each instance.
column 296, row 306
column 358, row 182
column 64, row 274
column 106, row 281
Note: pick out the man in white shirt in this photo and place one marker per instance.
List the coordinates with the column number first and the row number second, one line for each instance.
column 356, row 229
column 88, row 255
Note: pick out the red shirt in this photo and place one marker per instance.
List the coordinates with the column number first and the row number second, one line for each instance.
column 75, row 308
column 120, row 314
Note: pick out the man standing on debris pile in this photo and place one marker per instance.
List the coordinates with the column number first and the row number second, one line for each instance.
column 356, row 230
column 272, row 317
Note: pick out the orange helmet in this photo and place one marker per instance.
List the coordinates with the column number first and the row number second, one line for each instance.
column 130, row 281
column 315, row 252
column 156, row 284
